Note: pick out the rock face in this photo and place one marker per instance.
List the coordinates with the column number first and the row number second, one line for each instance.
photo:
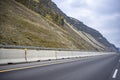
column 82, row 27
column 42, row 23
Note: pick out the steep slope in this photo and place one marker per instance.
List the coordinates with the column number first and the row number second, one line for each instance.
column 42, row 23
column 52, row 12
column 21, row 26
column 97, row 36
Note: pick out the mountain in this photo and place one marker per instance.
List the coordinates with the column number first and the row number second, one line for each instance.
column 119, row 50
column 41, row 23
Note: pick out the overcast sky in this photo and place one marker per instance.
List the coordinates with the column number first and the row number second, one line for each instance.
column 102, row 15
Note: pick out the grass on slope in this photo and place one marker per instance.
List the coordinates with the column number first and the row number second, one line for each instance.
column 23, row 27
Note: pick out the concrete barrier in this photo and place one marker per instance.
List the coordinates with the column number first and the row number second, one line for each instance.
column 36, row 55
column 12, row 56
column 63, row 54
column 23, row 55
column 78, row 54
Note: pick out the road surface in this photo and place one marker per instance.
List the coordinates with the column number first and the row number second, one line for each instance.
column 105, row 67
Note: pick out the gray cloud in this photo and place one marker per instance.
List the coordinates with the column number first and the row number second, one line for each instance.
column 102, row 15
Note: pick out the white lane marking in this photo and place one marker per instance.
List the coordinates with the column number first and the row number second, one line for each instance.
column 115, row 73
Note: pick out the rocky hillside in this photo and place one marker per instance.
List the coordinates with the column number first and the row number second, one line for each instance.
column 41, row 23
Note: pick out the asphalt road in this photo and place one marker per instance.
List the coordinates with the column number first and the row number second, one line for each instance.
column 104, row 67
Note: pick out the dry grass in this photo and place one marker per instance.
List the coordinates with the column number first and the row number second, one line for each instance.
column 21, row 26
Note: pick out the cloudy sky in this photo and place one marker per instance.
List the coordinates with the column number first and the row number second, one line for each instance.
column 102, row 15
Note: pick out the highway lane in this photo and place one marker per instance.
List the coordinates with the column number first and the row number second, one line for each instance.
column 90, row 68
column 116, row 71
